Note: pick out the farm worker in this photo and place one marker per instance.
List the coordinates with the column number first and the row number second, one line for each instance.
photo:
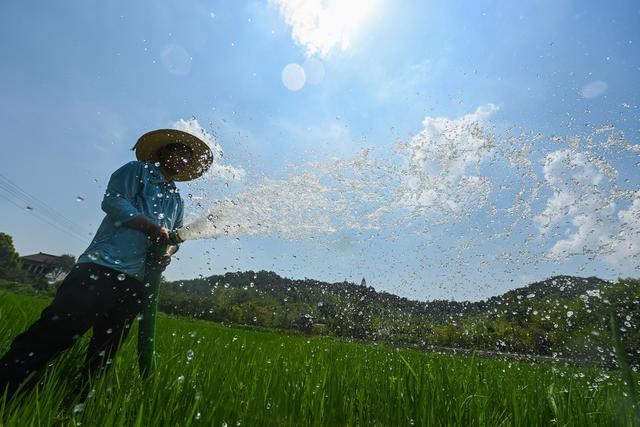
column 103, row 290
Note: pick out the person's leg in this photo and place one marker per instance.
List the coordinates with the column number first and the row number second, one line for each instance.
column 73, row 311
column 112, row 328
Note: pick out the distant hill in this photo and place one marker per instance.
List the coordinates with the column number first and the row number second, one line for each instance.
column 563, row 316
column 559, row 286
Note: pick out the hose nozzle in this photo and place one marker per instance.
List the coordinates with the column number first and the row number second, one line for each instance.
column 174, row 237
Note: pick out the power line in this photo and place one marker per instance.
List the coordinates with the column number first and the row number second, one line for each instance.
column 30, row 199
column 43, row 218
column 23, row 200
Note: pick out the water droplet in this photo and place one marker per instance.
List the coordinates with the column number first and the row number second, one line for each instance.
column 180, row 379
column 121, row 276
column 190, row 355
column 93, row 276
column 79, row 199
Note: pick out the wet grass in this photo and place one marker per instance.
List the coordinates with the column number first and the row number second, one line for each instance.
column 213, row 375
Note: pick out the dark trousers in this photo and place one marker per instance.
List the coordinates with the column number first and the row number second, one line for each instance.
column 91, row 296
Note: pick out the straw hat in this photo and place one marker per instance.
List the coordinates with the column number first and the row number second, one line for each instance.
column 150, row 143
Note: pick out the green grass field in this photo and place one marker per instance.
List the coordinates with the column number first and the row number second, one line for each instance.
column 213, row 375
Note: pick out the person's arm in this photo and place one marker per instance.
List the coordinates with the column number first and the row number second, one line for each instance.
column 172, row 249
column 118, row 202
column 157, row 234
column 178, row 224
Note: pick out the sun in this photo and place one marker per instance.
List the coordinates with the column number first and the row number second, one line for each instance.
column 322, row 26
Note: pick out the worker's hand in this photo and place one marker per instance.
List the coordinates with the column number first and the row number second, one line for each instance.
column 159, row 235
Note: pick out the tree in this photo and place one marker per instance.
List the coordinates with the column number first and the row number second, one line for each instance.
column 9, row 258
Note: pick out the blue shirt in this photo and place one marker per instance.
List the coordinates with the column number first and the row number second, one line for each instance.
column 137, row 188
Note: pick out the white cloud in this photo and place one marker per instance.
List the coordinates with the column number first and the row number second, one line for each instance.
column 217, row 170
column 443, row 163
column 319, row 26
column 577, row 204
column 585, row 209
column 628, row 235
column 435, row 172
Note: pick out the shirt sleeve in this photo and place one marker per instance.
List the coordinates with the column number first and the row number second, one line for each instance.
column 179, row 219
column 119, row 199
column 180, row 215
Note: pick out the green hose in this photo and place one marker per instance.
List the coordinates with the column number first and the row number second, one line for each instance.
column 147, row 325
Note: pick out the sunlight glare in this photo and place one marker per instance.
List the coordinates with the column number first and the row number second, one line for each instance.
column 320, row 26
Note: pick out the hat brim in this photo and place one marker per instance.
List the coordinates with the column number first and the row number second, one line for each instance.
column 148, row 145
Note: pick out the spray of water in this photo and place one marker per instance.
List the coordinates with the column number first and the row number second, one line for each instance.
column 557, row 196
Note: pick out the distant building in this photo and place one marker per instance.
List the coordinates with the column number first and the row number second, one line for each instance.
column 363, row 283
column 39, row 264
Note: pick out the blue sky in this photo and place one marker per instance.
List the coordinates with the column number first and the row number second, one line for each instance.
column 81, row 81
